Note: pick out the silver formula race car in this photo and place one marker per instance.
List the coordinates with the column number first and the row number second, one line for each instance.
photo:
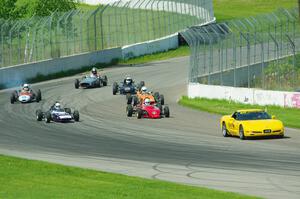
column 57, row 115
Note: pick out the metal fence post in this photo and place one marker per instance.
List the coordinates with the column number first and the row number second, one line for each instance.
column 101, row 25
column 141, row 17
column 293, row 47
column 277, row 58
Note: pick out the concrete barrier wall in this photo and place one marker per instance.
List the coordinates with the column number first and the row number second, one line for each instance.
column 16, row 75
column 245, row 95
column 150, row 47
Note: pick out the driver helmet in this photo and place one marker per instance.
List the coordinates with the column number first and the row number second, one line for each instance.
column 57, row 106
column 94, row 71
column 144, row 89
column 128, row 80
column 147, row 102
column 26, row 87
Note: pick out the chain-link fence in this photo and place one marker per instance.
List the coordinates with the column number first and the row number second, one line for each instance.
column 256, row 52
column 77, row 31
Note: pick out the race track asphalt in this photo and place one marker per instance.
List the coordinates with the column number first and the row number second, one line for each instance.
column 186, row 148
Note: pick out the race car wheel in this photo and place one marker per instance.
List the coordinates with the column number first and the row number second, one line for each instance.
column 135, row 100
column 129, row 99
column 224, row 130
column 38, row 95
column 162, row 99
column 47, row 117
column 105, row 80
column 166, row 111
column 129, row 110
column 12, row 98
column 98, row 83
column 39, row 115
column 241, row 133
column 115, row 88
column 76, row 116
column 76, row 84
column 68, row 110
column 139, row 113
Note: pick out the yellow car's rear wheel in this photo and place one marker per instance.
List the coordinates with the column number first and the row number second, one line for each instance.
column 241, row 133
column 224, row 130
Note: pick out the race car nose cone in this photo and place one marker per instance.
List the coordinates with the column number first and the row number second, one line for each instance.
column 24, row 98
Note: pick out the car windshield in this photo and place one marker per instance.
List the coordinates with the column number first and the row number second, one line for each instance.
column 253, row 116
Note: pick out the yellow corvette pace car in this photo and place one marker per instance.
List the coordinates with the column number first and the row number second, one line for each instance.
column 251, row 123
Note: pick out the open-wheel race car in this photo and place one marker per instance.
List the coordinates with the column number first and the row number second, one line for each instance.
column 127, row 87
column 92, row 81
column 143, row 94
column 57, row 114
column 25, row 95
column 148, row 109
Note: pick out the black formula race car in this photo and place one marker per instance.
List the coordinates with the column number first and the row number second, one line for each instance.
column 57, row 115
column 95, row 81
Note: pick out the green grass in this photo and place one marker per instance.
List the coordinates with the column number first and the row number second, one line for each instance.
column 289, row 116
column 22, row 178
column 235, row 9
column 179, row 52
column 86, row 7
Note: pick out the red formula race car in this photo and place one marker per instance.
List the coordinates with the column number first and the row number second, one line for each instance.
column 148, row 109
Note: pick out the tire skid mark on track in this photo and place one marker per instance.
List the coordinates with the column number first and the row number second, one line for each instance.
column 188, row 143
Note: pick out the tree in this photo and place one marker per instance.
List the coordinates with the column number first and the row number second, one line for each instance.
column 26, row 8
column 7, row 8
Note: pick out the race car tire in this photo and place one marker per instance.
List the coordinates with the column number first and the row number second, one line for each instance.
column 129, row 99
column 76, row 84
column 48, row 117
column 76, row 116
column 38, row 95
column 241, row 133
column 105, row 80
column 162, row 99
column 166, row 111
column 12, row 98
column 115, row 88
column 98, row 83
column 135, row 100
column 39, row 115
column 129, row 110
column 68, row 110
column 139, row 113
column 224, row 130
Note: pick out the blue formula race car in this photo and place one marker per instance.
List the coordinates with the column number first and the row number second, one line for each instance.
column 127, row 87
